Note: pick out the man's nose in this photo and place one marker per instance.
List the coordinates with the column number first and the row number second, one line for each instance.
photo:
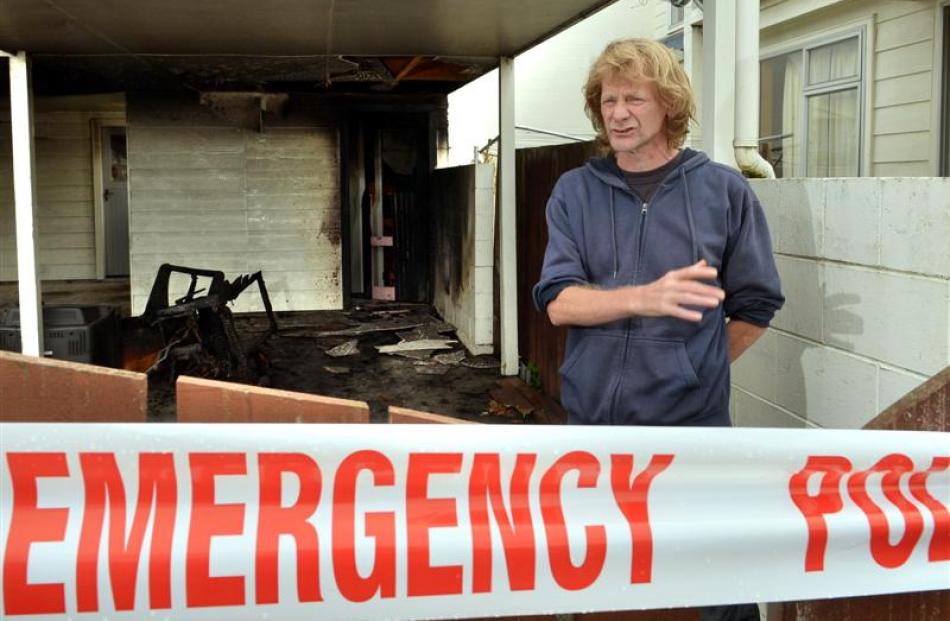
column 619, row 112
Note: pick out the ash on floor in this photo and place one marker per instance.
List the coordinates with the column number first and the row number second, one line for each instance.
column 381, row 353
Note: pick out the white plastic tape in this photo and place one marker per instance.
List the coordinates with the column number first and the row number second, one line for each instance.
column 433, row 522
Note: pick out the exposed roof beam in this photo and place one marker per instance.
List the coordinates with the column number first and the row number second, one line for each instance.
column 412, row 64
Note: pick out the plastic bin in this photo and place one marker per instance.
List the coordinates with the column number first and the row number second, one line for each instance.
column 78, row 333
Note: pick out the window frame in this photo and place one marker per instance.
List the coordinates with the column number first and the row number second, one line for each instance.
column 833, row 86
column 672, row 23
column 679, row 52
column 942, row 90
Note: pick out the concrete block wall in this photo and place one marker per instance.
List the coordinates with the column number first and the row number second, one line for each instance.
column 464, row 212
column 207, row 191
column 865, row 267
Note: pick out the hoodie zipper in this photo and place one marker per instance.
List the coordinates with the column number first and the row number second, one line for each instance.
column 643, row 227
column 632, row 323
column 642, row 243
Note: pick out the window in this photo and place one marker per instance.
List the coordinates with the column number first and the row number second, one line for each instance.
column 811, row 110
column 675, row 43
column 674, row 40
column 677, row 14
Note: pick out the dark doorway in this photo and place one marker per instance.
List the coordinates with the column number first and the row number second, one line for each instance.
column 387, row 166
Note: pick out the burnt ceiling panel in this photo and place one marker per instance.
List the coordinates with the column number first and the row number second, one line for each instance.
column 87, row 46
column 484, row 28
column 55, row 74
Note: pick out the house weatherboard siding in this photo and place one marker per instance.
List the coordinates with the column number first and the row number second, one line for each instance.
column 902, row 99
column 899, row 74
column 208, row 191
column 64, row 185
column 899, row 98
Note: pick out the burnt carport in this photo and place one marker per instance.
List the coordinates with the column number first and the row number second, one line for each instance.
column 253, row 50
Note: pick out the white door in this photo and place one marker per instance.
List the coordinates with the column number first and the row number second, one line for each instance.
column 115, row 201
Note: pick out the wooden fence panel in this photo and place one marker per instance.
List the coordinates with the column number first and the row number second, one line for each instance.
column 538, row 170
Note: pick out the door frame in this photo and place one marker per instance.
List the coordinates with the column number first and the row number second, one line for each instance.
column 95, row 129
column 941, row 89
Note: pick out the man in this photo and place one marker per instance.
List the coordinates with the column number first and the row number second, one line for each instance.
column 658, row 259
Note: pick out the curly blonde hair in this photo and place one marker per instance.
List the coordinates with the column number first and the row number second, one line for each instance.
column 643, row 59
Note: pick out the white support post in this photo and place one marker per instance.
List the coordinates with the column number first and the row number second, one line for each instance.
column 24, row 192
column 718, row 82
column 693, row 65
column 747, row 66
column 507, row 222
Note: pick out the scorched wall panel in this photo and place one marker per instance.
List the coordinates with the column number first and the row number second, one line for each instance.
column 207, row 192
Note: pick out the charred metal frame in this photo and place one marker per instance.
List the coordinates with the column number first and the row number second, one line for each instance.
column 197, row 331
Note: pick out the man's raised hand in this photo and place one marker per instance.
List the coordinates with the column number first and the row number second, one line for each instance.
column 669, row 295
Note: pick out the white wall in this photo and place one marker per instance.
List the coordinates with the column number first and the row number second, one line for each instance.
column 208, row 194
column 902, row 79
column 865, row 268
column 548, row 82
column 65, row 208
column 464, row 201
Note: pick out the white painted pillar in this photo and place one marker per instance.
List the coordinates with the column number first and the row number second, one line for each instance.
column 747, row 66
column 507, row 222
column 746, row 142
column 24, row 192
column 718, row 90
column 693, row 65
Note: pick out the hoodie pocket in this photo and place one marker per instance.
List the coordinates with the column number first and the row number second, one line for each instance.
column 659, row 385
column 589, row 378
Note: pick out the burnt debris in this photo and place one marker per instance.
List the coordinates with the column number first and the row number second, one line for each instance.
column 195, row 334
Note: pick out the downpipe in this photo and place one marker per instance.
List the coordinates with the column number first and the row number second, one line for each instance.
column 746, row 142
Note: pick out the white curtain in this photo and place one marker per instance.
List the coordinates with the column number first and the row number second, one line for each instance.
column 833, row 127
column 791, row 115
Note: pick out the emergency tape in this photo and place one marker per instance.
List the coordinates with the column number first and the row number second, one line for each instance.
column 185, row 521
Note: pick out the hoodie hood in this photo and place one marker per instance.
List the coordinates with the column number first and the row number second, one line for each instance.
column 607, row 170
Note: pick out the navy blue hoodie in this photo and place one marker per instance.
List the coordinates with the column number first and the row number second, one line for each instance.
column 655, row 370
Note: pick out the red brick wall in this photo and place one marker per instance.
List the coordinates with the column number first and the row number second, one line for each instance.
column 210, row 401
column 399, row 415
column 45, row 390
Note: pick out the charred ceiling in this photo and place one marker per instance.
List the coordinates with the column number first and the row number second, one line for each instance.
column 71, row 74
column 434, row 46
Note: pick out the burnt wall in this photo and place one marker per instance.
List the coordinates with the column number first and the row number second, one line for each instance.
column 463, row 207
column 219, row 184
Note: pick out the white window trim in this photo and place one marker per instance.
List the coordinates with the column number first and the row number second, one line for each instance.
column 680, row 54
column 860, row 30
column 833, row 87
